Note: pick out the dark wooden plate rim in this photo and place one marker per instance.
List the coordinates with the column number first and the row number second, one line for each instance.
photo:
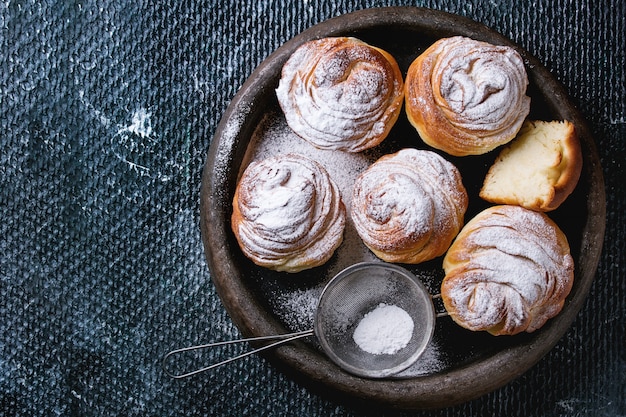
column 308, row 365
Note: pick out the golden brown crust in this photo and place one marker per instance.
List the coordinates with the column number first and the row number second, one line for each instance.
column 341, row 93
column 466, row 97
column 572, row 167
column 288, row 214
column 508, row 271
column 407, row 207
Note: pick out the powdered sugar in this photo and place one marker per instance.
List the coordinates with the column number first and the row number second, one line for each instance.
column 274, row 137
column 429, row 362
column 384, row 330
column 297, row 308
column 483, row 84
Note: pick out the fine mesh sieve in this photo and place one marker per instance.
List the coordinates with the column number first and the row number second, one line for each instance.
column 358, row 290
column 343, row 303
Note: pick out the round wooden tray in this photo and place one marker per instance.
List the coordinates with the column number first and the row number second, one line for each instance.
column 469, row 364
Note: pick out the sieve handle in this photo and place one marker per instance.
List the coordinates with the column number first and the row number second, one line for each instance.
column 443, row 313
column 283, row 338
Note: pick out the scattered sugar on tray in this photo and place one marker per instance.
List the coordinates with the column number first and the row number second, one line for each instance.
column 228, row 139
column 429, row 363
column 297, row 308
column 273, row 137
column 430, row 276
column 351, row 251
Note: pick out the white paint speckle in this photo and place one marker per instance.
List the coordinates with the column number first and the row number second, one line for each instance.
column 140, row 124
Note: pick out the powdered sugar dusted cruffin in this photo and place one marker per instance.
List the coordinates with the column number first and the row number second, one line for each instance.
column 287, row 213
column 341, row 93
column 508, row 271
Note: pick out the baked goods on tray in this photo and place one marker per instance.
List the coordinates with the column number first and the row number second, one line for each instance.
column 538, row 170
column 341, row 93
column 467, row 97
column 408, row 206
column 288, row 214
column 508, row 271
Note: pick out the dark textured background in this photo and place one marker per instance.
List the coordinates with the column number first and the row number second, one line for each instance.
column 107, row 110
